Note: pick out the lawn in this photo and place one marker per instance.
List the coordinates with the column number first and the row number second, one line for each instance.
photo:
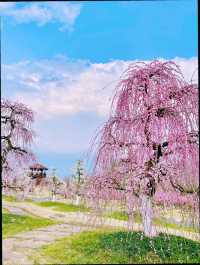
column 118, row 247
column 13, row 224
column 63, row 207
column 123, row 216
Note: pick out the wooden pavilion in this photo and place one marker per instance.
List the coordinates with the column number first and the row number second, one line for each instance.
column 38, row 172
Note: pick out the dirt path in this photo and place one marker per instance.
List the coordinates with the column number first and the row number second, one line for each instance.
column 17, row 248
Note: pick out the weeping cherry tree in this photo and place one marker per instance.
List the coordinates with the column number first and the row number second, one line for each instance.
column 16, row 137
column 151, row 137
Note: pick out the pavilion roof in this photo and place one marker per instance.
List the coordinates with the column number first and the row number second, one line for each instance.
column 38, row 166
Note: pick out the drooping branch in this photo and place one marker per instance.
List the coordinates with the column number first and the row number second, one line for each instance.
column 153, row 122
column 17, row 135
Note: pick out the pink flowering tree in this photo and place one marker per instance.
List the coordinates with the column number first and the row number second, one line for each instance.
column 16, row 137
column 151, row 137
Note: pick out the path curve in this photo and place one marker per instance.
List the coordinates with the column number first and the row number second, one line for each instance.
column 17, row 248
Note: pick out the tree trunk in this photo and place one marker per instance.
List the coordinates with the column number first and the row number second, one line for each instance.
column 147, row 215
column 5, row 190
column 77, row 201
column 53, row 196
column 25, row 191
column 130, row 201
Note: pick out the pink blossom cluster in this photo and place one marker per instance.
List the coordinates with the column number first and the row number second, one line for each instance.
column 172, row 198
column 151, row 136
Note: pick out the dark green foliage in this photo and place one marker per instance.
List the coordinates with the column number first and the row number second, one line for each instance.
column 111, row 247
column 79, row 174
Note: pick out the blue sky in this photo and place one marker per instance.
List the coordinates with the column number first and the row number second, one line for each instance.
column 58, row 57
column 109, row 30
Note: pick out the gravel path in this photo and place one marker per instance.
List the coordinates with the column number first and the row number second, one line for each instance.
column 17, row 248
column 15, row 210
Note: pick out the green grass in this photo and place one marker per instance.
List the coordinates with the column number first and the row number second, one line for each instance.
column 9, row 198
column 118, row 247
column 62, row 207
column 4, row 210
column 156, row 221
column 123, row 216
column 13, row 224
column 117, row 215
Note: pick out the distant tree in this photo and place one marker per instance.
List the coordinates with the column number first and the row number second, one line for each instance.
column 16, row 136
column 55, row 184
column 79, row 172
column 78, row 180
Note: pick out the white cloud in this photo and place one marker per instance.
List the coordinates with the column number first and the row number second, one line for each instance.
column 71, row 134
column 189, row 68
column 68, row 87
column 70, row 98
column 4, row 6
column 64, row 87
column 64, row 13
